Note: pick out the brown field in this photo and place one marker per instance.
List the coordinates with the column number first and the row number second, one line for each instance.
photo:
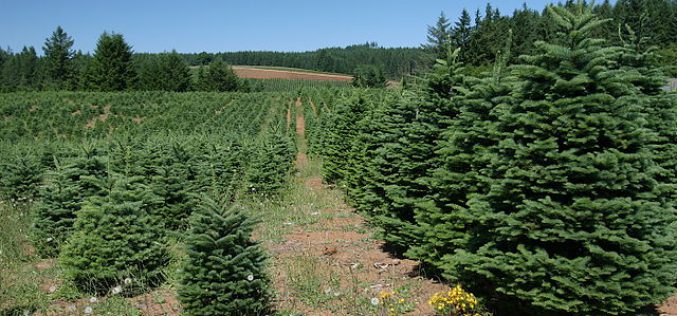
column 258, row 73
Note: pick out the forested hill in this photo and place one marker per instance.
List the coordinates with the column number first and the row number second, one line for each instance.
column 481, row 36
column 395, row 62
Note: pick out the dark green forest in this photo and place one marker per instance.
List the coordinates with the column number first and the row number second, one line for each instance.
column 480, row 35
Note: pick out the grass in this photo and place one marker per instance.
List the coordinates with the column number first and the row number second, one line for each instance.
column 25, row 288
column 19, row 280
column 296, row 206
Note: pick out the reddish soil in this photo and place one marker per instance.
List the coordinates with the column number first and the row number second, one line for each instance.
column 257, row 73
column 158, row 303
column 337, row 251
column 301, row 160
column 161, row 302
column 669, row 308
column 91, row 123
column 341, row 248
column 45, row 264
column 314, row 184
column 300, row 121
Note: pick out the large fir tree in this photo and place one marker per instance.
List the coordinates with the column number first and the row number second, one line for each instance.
column 112, row 68
column 58, row 56
column 571, row 223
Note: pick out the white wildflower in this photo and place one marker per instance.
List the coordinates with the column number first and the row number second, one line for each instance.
column 92, row 299
column 116, row 290
column 374, row 301
column 250, row 277
column 128, row 281
column 88, row 310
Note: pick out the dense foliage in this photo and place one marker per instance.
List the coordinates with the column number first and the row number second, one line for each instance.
column 116, row 239
column 546, row 187
column 224, row 274
column 110, row 178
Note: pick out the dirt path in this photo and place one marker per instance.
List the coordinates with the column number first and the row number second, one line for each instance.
column 325, row 261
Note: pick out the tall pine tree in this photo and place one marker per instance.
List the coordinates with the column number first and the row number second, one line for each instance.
column 112, row 68
column 58, row 56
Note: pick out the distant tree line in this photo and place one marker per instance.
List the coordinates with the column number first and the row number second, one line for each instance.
column 393, row 62
column 482, row 37
column 114, row 66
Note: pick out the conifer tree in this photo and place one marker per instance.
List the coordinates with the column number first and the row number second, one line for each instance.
column 424, row 118
column 66, row 190
column 571, row 224
column 116, row 242
column 112, row 68
column 461, row 35
column 21, row 71
column 58, row 56
column 270, row 166
column 439, row 38
column 21, row 178
column 642, row 62
column 165, row 72
column 225, row 270
column 218, row 76
column 462, row 156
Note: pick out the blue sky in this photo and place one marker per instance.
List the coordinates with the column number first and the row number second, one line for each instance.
column 215, row 26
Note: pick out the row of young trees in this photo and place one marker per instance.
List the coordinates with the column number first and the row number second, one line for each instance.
column 109, row 199
column 547, row 187
column 112, row 67
column 480, row 37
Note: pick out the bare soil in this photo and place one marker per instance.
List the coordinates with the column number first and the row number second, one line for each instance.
column 338, row 250
column 257, row 73
column 669, row 308
column 300, row 120
column 157, row 303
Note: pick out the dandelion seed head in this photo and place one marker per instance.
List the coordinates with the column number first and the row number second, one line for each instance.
column 250, row 277
column 374, row 301
column 88, row 310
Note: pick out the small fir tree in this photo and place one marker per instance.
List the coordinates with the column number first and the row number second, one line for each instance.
column 116, row 242
column 225, row 270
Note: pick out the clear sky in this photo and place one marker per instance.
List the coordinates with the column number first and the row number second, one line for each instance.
column 216, row 26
